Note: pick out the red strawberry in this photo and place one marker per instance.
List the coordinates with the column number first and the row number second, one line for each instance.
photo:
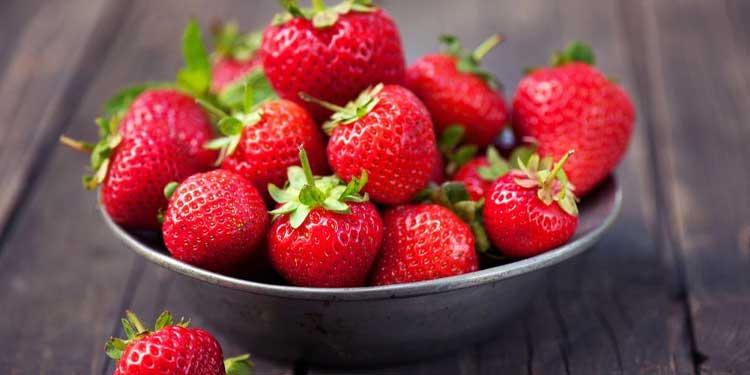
column 479, row 173
column 325, row 234
column 531, row 211
column 457, row 91
column 215, row 220
column 573, row 106
column 186, row 120
column 235, row 56
column 386, row 132
column 423, row 242
column 262, row 142
column 134, row 170
column 438, row 169
column 331, row 53
column 170, row 349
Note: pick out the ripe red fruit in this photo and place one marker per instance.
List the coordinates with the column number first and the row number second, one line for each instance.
column 215, row 220
column 438, row 169
column 325, row 234
column 134, row 170
column 170, row 349
column 574, row 106
column 386, row 132
column 235, row 56
column 331, row 53
column 457, row 91
column 479, row 173
column 261, row 143
column 187, row 122
column 423, row 242
column 531, row 211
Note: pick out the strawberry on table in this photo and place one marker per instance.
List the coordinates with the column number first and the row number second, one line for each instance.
column 479, row 173
column 215, row 220
column 533, row 210
column 134, row 169
column 331, row 53
column 571, row 105
column 261, row 141
column 324, row 234
column 171, row 349
column 423, row 242
column 386, row 132
column 457, row 91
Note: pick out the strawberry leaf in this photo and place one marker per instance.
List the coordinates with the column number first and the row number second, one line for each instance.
column 240, row 365
column 195, row 77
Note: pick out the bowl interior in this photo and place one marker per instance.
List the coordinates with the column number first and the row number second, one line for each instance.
column 597, row 212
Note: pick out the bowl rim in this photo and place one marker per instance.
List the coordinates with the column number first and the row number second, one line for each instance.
column 414, row 289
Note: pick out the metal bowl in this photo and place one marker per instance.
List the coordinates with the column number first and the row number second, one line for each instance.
column 374, row 325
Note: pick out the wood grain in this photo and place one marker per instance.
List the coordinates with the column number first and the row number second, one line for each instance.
column 695, row 74
column 666, row 292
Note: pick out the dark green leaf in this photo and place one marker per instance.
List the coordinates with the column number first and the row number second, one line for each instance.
column 464, row 154
column 451, row 137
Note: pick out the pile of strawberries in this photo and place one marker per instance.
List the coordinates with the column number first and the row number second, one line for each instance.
column 313, row 148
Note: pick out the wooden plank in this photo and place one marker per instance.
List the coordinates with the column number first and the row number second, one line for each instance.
column 41, row 46
column 14, row 18
column 695, row 72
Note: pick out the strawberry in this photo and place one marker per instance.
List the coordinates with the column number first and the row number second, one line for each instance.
column 457, row 91
column 188, row 123
column 235, row 56
column 134, row 169
column 215, row 220
column 171, row 349
column 571, row 105
column 533, row 210
column 331, row 53
column 325, row 233
column 386, row 132
column 438, row 169
column 479, row 173
column 423, row 242
column 173, row 104
column 261, row 142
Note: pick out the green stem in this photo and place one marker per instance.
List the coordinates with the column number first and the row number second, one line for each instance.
column 486, row 47
column 559, row 166
column 76, row 145
column 248, row 98
column 324, row 104
column 137, row 323
column 319, row 5
column 306, row 167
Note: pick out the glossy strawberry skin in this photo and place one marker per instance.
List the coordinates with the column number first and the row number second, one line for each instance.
column 215, row 220
column 329, row 249
column 140, row 166
column 394, row 143
column 268, row 147
column 335, row 63
column 423, row 242
column 455, row 97
column 519, row 224
column 187, row 121
column 226, row 71
column 173, row 350
column 468, row 174
column 575, row 107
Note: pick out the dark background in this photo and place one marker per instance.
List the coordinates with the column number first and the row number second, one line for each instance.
column 666, row 291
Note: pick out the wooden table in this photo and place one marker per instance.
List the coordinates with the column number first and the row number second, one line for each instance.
column 667, row 291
